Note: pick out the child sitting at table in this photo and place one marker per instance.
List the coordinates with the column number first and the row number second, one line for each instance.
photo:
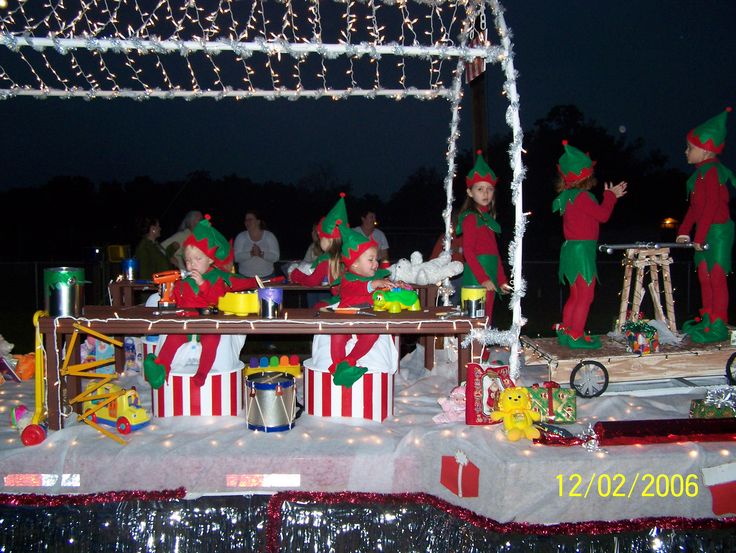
column 206, row 254
column 346, row 356
column 327, row 268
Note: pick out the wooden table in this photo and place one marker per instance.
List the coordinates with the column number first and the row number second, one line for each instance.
column 141, row 321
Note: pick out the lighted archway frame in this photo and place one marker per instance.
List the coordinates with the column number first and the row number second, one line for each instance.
column 269, row 49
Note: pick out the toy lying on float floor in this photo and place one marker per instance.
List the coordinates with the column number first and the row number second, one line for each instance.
column 124, row 411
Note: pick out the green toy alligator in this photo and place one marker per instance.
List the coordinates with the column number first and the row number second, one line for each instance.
column 395, row 300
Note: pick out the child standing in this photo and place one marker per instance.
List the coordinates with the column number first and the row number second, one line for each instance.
column 581, row 219
column 206, row 254
column 708, row 192
column 362, row 277
column 478, row 227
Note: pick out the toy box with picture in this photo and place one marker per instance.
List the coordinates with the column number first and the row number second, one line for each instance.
column 91, row 349
column 485, row 383
column 641, row 337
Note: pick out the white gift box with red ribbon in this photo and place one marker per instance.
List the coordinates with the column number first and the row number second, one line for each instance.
column 371, row 397
column 221, row 395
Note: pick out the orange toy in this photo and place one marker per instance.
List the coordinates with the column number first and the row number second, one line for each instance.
column 26, row 367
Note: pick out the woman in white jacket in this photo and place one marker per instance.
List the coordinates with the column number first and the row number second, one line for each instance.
column 256, row 249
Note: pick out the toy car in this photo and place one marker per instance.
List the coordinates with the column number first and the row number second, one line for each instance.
column 124, row 412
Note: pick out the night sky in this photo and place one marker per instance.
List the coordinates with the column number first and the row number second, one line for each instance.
column 649, row 68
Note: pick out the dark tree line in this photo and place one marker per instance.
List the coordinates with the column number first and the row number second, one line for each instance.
column 70, row 216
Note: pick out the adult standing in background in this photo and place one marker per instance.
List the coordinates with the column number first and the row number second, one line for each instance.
column 367, row 228
column 256, row 249
column 149, row 253
column 173, row 244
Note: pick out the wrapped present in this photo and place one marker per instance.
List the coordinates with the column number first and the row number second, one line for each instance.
column 553, row 403
column 719, row 403
column 485, row 383
column 459, row 475
column 641, row 338
column 371, row 397
column 221, row 395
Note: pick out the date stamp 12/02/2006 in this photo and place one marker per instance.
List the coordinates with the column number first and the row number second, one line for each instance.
column 622, row 486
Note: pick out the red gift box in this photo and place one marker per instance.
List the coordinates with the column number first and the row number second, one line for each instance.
column 371, row 397
column 221, row 395
column 482, row 389
column 459, row 475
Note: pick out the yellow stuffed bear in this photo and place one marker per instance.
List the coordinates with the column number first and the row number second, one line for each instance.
column 514, row 408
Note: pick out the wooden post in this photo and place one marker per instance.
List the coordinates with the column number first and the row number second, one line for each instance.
column 628, row 264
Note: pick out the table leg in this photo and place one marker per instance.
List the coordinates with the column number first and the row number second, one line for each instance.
column 53, row 409
column 464, row 356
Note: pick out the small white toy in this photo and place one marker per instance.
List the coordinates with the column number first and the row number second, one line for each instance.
column 417, row 271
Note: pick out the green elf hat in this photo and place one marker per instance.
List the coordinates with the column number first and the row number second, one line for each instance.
column 574, row 165
column 338, row 215
column 354, row 244
column 711, row 135
column 481, row 172
column 211, row 242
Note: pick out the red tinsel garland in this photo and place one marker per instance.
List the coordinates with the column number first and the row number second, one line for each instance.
column 273, row 528
column 38, row 500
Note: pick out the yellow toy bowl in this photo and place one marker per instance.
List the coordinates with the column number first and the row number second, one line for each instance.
column 239, row 303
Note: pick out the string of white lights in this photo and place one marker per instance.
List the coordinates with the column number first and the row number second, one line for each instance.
column 261, row 49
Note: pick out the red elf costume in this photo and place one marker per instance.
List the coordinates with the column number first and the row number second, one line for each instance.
column 709, row 193
column 581, row 219
column 346, row 356
column 188, row 294
column 478, row 230
column 328, row 227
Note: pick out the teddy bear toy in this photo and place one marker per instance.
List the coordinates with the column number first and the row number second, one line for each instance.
column 453, row 407
column 514, row 408
column 417, row 271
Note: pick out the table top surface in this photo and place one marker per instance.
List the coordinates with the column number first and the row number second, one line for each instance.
column 149, row 320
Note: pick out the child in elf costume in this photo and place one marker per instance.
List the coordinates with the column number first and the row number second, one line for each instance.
column 478, row 227
column 348, row 357
column 581, row 219
column 207, row 254
column 708, row 191
column 327, row 268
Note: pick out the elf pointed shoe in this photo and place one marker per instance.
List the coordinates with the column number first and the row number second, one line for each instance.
column 346, row 374
column 586, row 341
column 562, row 337
column 709, row 331
column 692, row 324
column 154, row 373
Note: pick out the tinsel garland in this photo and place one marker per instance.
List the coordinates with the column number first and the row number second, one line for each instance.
column 38, row 500
column 598, row 527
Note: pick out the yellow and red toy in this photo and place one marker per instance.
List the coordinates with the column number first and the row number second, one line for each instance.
column 122, row 408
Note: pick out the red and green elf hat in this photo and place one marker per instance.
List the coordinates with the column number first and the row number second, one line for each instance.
column 213, row 244
column 574, row 165
column 480, row 172
column 354, row 244
column 711, row 135
column 338, row 215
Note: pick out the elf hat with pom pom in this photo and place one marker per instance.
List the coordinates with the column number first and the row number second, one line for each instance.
column 711, row 135
column 574, row 165
column 354, row 244
column 480, row 172
column 338, row 215
column 213, row 244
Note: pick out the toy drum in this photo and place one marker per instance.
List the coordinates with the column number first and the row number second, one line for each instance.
column 473, row 301
column 270, row 404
